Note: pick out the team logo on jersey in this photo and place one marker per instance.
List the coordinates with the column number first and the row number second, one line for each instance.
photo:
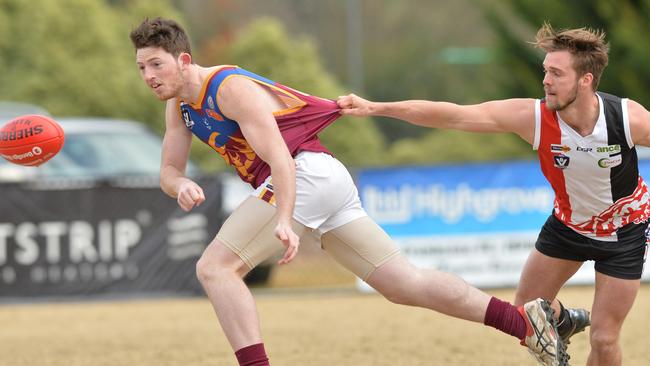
column 584, row 149
column 186, row 117
column 214, row 114
column 561, row 161
column 611, row 149
column 560, row 148
column 210, row 102
column 610, row 162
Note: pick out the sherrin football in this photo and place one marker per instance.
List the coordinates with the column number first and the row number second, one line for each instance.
column 30, row 140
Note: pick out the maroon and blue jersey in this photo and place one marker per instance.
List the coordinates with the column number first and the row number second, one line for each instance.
column 299, row 123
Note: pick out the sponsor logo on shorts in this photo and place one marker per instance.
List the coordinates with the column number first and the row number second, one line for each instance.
column 560, row 148
column 561, row 161
column 21, row 133
column 610, row 162
column 609, row 149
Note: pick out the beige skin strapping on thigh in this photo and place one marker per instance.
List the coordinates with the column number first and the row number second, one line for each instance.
column 361, row 246
column 250, row 231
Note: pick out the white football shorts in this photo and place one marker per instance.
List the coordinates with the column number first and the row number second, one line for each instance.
column 326, row 196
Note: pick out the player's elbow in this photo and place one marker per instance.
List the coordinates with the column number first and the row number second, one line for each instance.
column 283, row 162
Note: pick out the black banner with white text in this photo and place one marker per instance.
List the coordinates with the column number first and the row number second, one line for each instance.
column 102, row 240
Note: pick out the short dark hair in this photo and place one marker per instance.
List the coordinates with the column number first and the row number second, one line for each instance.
column 164, row 33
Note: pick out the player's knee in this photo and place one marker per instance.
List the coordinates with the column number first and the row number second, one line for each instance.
column 209, row 271
column 398, row 297
column 204, row 270
column 603, row 340
column 399, row 290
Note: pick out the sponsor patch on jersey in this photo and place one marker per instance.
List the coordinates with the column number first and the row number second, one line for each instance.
column 561, row 161
column 210, row 102
column 585, row 149
column 560, row 148
column 611, row 149
column 610, row 162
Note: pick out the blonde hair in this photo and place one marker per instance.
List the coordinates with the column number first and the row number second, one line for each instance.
column 587, row 46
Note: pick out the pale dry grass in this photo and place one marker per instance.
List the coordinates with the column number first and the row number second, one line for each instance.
column 328, row 325
column 315, row 328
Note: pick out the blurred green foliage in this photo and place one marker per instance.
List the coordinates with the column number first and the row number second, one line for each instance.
column 411, row 50
column 265, row 48
column 625, row 22
column 74, row 57
column 451, row 146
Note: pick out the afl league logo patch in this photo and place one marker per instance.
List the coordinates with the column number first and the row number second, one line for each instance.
column 561, row 161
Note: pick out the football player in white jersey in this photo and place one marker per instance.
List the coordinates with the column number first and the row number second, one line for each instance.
column 585, row 141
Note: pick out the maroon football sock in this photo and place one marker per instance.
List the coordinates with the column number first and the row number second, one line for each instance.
column 253, row 355
column 505, row 317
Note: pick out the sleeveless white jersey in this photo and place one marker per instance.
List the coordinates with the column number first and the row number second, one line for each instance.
column 595, row 178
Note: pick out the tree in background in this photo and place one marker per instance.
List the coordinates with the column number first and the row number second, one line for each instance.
column 74, row 57
column 411, row 50
column 626, row 23
column 265, row 48
column 436, row 51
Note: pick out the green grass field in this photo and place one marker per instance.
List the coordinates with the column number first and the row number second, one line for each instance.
column 315, row 327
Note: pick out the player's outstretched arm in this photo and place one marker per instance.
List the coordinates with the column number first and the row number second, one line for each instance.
column 509, row 115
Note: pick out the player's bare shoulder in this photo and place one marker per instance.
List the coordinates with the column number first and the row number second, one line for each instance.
column 172, row 113
column 639, row 119
column 233, row 87
column 231, row 92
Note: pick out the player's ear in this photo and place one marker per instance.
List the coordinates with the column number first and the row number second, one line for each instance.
column 185, row 59
column 587, row 79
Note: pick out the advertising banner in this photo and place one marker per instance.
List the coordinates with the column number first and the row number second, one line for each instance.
column 479, row 220
column 58, row 241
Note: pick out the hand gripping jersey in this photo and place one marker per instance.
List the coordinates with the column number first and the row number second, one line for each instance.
column 299, row 123
column 595, row 178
